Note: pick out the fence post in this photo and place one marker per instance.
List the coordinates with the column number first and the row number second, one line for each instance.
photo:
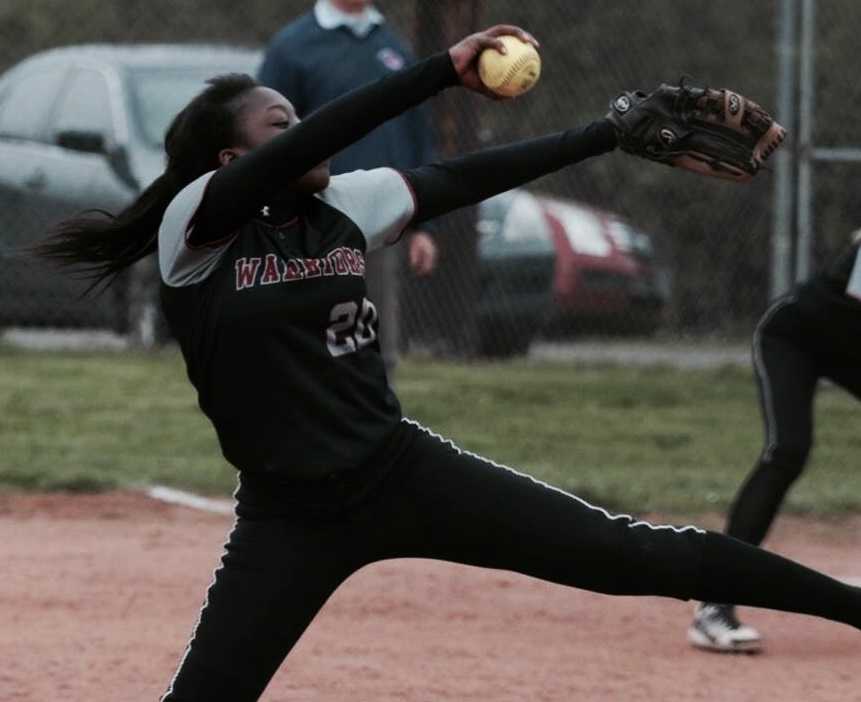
column 806, row 97
column 448, row 316
column 783, row 222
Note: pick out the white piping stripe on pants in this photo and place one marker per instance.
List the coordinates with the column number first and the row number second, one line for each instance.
column 580, row 500
column 202, row 608
column 762, row 375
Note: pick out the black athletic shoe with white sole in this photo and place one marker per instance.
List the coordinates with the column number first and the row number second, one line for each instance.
column 716, row 628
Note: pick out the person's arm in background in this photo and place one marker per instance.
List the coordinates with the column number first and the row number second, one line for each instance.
column 422, row 249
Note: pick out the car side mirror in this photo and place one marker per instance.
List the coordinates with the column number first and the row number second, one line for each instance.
column 84, row 141
column 90, row 142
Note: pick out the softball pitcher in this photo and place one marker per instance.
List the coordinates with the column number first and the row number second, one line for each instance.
column 262, row 260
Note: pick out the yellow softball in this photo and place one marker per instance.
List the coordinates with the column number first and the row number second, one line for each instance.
column 512, row 73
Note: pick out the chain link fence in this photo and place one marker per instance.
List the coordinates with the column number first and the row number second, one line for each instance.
column 612, row 246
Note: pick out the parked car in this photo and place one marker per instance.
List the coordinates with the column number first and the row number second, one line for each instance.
column 606, row 278
column 81, row 127
column 516, row 263
column 550, row 265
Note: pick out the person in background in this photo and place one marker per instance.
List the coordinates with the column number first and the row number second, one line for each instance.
column 336, row 47
column 810, row 333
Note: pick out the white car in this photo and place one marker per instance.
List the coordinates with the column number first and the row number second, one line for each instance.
column 81, row 127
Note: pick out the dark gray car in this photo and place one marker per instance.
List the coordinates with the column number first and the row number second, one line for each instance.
column 82, row 127
column 516, row 262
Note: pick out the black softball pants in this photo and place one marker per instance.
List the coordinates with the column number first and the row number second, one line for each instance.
column 442, row 503
column 789, row 360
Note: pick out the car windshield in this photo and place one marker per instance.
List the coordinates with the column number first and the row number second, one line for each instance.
column 159, row 94
column 513, row 223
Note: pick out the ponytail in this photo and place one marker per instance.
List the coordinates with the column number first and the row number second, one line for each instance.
column 101, row 245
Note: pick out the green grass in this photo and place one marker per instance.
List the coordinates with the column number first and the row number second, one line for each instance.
column 655, row 439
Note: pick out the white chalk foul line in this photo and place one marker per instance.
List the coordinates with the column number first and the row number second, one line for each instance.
column 188, row 499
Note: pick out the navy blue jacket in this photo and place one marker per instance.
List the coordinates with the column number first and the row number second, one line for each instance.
column 311, row 66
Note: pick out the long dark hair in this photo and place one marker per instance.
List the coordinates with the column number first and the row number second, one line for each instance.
column 101, row 245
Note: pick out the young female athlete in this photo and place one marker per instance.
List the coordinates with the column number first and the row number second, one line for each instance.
column 808, row 334
column 262, row 256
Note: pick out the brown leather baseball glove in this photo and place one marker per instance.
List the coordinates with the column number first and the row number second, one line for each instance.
column 714, row 132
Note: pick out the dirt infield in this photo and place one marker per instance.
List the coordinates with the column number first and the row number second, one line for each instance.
column 98, row 595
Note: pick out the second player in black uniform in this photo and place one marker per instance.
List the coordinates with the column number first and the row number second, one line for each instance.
column 262, row 259
column 807, row 335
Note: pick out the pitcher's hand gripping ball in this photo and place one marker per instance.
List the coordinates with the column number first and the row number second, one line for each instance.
column 714, row 132
column 512, row 73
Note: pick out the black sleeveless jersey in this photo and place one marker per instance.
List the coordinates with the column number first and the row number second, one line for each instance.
column 277, row 333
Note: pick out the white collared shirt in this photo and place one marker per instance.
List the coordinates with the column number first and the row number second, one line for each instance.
column 329, row 17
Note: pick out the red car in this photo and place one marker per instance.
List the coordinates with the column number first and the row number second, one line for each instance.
column 605, row 277
column 548, row 265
